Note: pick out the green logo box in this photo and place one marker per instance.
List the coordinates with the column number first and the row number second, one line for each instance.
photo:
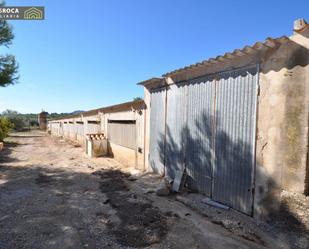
column 22, row 13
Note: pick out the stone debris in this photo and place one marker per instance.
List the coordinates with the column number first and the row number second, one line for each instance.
column 163, row 189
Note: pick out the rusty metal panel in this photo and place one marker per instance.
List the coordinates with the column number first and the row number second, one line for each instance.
column 175, row 129
column 199, row 147
column 235, row 138
column 122, row 133
column 157, row 130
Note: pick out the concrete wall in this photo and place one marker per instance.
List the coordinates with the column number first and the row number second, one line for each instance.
column 282, row 137
column 127, row 156
column 122, row 154
column 42, row 118
column 147, row 128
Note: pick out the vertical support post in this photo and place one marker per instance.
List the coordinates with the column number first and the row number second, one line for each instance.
column 136, row 139
column 165, row 129
column 144, row 141
column 213, row 139
column 257, row 85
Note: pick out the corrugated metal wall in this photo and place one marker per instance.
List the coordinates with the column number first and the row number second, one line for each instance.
column 175, row 129
column 79, row 129
column 66, row 130
column 199, row 149
column 57, row 129
column 235, row 138
column 72, row 130
column 157, row 130
column 54, row 127
column 61, row 129
column 123, row 134
column 210, row 130
column 93, row 128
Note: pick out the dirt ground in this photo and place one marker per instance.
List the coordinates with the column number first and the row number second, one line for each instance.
column 53, row 196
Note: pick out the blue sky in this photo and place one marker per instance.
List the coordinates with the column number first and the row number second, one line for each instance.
column 90, row 54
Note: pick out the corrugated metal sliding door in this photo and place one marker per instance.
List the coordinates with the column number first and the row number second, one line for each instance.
column 157, row 130
column 200, row 118
column 235, row 138
column 176, row 130
column 122, row 132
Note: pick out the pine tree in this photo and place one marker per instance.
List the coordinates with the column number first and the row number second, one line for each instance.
column 8, row 64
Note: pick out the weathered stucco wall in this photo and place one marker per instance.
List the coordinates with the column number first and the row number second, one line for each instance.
column 282, row 134
column 122, row 154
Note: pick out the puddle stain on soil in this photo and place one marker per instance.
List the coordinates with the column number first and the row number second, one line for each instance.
column 43, row 179
column 141, row 224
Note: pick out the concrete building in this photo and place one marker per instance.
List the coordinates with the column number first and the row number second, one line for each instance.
column 237, row 123
column 123, row 124
column 42, row 119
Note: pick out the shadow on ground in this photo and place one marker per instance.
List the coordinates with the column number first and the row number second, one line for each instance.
column 6, row 152
column 140, row 224
column 50, row 207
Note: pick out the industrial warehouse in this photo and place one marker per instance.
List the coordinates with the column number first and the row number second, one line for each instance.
column 235, row 127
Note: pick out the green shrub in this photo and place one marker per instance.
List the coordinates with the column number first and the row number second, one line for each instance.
column 5, row 127
column 18, row 122
column 15, row 118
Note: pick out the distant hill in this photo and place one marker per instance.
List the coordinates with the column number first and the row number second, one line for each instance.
column 60, row 115
column 75, row 112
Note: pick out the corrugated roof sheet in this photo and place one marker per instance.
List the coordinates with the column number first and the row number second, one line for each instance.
column 151, row 80
column 137, row 104
column 267, row 44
